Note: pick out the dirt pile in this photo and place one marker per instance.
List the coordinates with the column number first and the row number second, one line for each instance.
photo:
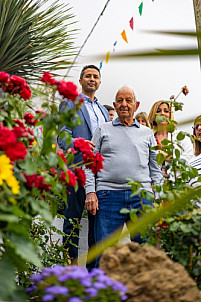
column 149, row 274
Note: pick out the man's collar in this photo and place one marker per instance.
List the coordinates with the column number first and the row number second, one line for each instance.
column 117, row 122
column 87, row 98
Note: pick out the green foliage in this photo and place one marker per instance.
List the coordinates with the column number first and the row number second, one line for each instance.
column 35, row 37
column 50, row 252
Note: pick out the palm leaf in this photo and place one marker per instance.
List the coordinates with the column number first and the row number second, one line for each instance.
column 33, row 40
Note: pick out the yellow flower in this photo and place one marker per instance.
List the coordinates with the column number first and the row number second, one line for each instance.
column 53, row 146
column 34, row 143
column 6, row 174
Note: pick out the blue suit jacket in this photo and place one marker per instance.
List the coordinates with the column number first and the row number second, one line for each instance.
column 84, row 130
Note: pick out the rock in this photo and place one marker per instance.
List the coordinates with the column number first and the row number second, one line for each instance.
column 149, row 274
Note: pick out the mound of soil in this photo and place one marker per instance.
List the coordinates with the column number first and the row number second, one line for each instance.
column 149, row 274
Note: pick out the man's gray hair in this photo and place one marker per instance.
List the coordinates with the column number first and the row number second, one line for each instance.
column 127, row 87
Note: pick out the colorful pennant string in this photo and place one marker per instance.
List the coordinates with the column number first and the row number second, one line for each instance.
column 123, row 34
column 107, row 57
column 140, row 9
column 131, row 23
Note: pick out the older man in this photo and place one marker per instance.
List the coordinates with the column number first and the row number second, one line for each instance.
column 125, row 146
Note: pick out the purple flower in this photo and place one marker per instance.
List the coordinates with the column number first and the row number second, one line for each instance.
column 57, row 290
column 105, row 279
column 99, row 285
column 86, row 282
column 96, row 272
column 36, row 278
column 75, row 299
column 31, row 288
column 118, row 286
column 123, row 297
column 48, row 297
column 91, row 291
column 63, row 278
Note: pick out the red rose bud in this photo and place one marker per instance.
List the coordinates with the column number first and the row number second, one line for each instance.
column 185, row 90
column 68, row 90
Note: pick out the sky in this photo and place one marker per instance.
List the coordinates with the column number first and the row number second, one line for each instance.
column 152, row 79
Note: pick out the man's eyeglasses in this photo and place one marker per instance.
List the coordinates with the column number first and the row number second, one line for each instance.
column 196, row 126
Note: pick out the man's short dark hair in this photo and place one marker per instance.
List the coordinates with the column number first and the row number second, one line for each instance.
column 108, row 107
column 86, row 67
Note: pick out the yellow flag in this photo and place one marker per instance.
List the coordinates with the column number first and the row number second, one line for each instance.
column 107, row 57
column 123, row 34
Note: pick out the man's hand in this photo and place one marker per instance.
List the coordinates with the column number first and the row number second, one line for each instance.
column 92, row 145
column 91, row 203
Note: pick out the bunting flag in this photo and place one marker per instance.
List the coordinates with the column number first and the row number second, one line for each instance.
column 131, row 23
column 115, row 43
column 107, row 57
column 123, row 34
column 101, row 65
column 140, row 9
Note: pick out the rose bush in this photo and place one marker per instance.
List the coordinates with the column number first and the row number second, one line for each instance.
column 33, row 177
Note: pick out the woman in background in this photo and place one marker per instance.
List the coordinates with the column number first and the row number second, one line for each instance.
column 143, row 119
column 195, row 162
column 163, row 108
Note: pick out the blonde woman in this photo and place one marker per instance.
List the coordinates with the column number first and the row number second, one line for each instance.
column 143, row 119
column 161, row 133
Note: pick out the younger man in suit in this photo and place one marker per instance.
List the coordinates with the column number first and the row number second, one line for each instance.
column 92, row 115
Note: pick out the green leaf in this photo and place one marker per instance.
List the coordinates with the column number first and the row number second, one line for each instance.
column 25, row 248
column 124, row 211
column 7, row 277
column 180, row 135
column 177, row 153
column 160, row 158
column 53, row 159
column 159, row 119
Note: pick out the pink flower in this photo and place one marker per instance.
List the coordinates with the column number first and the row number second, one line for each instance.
column 68, row 90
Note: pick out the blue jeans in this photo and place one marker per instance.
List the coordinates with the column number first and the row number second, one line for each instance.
column 109, row 218
column 74, row 210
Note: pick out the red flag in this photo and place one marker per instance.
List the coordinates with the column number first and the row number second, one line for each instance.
column 131, row 23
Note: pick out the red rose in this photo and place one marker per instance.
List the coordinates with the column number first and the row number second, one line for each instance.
column 93, row 161
column 81, row 177
column 62, row 157
column 47, row 78
column 17, row 81
column 7, row 137
column 18, row 122
column 71, row 182
column 53, row 172
column 4, row 76
column 68, row 90
column 25, row 93
column 20, row 132
column 81, row 145
column 16, row 151
column 29, row 119
column 37, row 181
